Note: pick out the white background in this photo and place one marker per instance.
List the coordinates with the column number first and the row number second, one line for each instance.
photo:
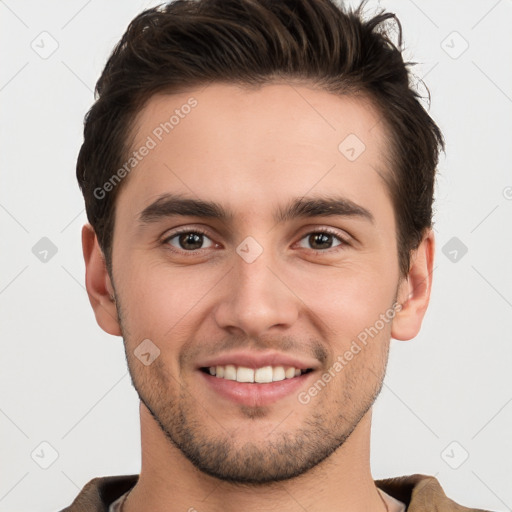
column 63, row 381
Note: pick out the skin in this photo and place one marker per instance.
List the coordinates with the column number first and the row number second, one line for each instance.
column 252, row 151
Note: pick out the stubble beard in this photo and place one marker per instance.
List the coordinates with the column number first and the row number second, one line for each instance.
column 282, row 455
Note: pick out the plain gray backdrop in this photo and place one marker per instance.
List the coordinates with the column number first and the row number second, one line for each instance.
column 68, row 412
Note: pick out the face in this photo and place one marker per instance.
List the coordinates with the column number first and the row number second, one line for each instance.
column 250, row 244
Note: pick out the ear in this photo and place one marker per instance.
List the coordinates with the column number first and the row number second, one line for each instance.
column 414, row 291
column 98, row 284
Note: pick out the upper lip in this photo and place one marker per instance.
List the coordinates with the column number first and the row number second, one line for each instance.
column 259, row 359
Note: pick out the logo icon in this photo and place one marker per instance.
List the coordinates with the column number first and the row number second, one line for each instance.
column 45, row 45
column 454, row 249
column 249, row 249
column 44, row 455
column 146, row 352
column 351, row 147
column 454, row 45
column 44, row 250
column 455, row 455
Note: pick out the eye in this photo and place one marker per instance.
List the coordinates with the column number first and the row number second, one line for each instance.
column 321, row 240
column 189, row 241
column 195, row 240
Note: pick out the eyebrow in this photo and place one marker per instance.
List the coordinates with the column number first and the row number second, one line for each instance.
column 170, row 205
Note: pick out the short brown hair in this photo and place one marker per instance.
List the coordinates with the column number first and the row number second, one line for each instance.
column 187, row 43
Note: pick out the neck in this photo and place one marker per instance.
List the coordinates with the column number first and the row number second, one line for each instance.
column 169, row 482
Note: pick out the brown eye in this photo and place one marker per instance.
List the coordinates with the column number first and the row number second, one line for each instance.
column 321, row 241
column 190, row 241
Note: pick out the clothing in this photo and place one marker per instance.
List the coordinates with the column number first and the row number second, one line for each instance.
column 393, row 504
column 420, row 493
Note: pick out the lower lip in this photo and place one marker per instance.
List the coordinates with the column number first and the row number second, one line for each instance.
column 255, row 394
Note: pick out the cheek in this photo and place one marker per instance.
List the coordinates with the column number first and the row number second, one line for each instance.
column 160, row 301
column 350, row 300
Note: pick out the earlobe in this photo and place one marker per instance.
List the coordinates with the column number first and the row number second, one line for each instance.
column 98, row 284
column 414, row 291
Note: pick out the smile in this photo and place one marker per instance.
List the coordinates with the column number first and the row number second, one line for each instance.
column 265, row 374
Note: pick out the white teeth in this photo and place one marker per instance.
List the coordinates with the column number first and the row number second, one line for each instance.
column 230, row 372
column 264, row 374
column 244, row 374
column 290, row 372
column 278, row 373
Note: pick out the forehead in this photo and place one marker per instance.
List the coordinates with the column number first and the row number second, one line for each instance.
column 245, row 146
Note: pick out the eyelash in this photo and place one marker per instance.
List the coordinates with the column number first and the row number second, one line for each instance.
column 343, row 241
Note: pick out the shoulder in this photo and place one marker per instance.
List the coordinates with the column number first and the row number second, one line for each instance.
column 419, row 492
column 100, row 492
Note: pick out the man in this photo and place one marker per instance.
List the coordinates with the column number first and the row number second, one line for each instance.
column 258, row 178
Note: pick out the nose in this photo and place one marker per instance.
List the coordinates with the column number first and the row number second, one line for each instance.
column 257, row 298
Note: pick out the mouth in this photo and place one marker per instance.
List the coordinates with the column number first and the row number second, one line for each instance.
column 256, row 379
column 240, row 385
column 261, row 375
